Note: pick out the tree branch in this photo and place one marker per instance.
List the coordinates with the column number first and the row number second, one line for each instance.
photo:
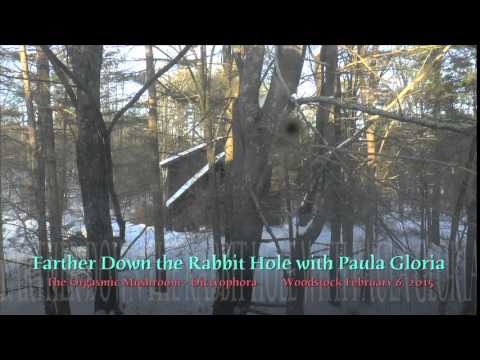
column 145, row 87
column 265, row 223
column 429, row 123
column 61, row 69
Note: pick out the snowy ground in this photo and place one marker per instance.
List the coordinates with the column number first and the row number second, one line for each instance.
column 24, row 282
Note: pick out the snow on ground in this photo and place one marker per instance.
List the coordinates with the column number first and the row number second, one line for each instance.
column 19, row 243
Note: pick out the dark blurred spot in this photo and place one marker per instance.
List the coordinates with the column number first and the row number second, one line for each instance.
column 292, row 128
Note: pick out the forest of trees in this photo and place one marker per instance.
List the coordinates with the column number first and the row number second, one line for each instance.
column 349, row 141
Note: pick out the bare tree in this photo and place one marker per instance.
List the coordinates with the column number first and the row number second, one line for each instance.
column 3, row 279
column 94, row 157
column 156, row 189
column 93, row 167
column 45, row 120
column 251, row 167
column 37, row 149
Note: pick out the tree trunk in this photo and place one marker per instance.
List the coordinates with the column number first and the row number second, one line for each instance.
column 3, row 279
column 253, row 129
column 296, row 300
column 37, row 149
column 435, row 204
column 155, row 171
column 317, row 177
column 469, row 306
column 45, row 121
column 335, row 192
column 371, row 205
column 462, row 191
column 329, row 126
column 423, row 220
column 93, row 169
column 437, row 176
column 209, row 133
column 350, row 182
column 62, row 118
column 231, row 73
